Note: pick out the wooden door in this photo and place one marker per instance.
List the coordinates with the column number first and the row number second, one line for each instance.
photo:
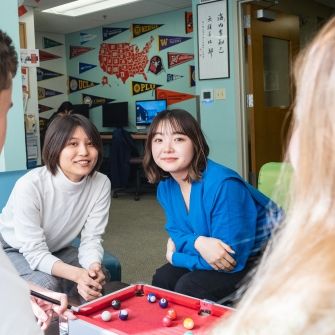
column 270, row 48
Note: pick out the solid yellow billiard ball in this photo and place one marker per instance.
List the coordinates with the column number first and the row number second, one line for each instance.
column 188, row 323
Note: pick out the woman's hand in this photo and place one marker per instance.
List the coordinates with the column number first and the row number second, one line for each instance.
column 95, row 272
column 215, row 252
column 44, row 310
column 88, row 287
column 170, row 249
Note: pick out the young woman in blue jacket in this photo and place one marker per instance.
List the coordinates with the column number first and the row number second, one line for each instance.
column 217, row 223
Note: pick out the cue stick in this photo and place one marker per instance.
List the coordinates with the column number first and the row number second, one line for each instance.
column 54, row 301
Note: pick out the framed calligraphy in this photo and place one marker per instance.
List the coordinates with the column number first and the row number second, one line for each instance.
column 213, row 51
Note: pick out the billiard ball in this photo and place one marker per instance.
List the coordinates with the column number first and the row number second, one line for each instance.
column 188, row 323
column 163, row 303
column 171, row 313
column 123, row 314
column 167, row 321
column 116, row 304
column 106, row 315
column 151, row 297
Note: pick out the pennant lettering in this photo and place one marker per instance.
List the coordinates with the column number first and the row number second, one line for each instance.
column 44, row 93
column 83, row 67
column 188, row 22
column 165, row 42
column 172, row 97
column 108, row 32
column 192, row 75
column 94, row 101
column 49, row 43
column 43, row 74
column 175, row 58
column 85, row 37
column 77, row 84
column 76, row 51
column 140, row 29
column 171, row 77
column 139, row 87
column 43, row 108
column 44, row 56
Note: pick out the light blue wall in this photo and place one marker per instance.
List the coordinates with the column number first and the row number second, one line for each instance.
column 14, row 152
column 173, row 25
column 219, row 120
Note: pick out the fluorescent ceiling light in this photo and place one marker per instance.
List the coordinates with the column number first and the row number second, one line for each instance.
column 82, row 7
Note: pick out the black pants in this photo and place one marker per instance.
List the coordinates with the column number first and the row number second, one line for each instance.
column 211, row 285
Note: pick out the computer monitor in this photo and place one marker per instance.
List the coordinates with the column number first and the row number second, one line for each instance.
column 82, row 109
column 146, row 110
column 115, row 114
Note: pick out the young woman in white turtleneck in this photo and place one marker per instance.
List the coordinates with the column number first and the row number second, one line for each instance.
column 51, row 205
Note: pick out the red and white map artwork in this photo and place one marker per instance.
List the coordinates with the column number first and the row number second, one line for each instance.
column 124, row 60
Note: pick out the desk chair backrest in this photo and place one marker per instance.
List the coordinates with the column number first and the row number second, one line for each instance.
column 268, row 182
column 7, row 182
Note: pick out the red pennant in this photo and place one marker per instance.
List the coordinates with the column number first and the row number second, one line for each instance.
column 22, row 10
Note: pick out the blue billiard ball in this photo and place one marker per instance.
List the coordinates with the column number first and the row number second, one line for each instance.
column 151, row 297
column 123, row 314
column 163, row 303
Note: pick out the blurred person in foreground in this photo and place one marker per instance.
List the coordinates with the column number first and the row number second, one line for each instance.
column 17, row 307
column 293, row 291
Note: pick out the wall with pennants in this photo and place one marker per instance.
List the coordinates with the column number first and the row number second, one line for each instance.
column 150, row 58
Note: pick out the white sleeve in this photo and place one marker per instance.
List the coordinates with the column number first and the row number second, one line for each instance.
column 15, row 310
column 28, row 229
column 90, row 249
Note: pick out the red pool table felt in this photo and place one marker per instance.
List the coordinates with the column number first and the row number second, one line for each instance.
column 145, row 317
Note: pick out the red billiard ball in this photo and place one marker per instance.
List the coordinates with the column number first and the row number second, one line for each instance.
column 188, row 323
column 167, row 321
column 171, row 313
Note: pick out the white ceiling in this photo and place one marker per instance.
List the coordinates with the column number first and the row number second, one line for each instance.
column 64, row 24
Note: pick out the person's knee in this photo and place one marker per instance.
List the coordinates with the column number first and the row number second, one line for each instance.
column 185, row 285
column 45, row 280
column 189, row 286
column 158, row 278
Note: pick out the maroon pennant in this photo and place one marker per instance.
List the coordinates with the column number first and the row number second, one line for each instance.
column 76, row 51
column 176, row 58
column 47, row 56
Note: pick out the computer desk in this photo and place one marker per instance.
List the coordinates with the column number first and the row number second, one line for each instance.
column 135, row 136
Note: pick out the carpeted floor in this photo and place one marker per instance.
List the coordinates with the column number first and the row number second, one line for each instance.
column 136, row 235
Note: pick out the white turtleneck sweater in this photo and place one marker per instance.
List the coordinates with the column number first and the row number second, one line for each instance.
column 44, row 213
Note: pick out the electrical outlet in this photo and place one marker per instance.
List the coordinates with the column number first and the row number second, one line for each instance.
column 219, row 94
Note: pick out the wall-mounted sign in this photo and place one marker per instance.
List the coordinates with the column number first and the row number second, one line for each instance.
column 213, row 52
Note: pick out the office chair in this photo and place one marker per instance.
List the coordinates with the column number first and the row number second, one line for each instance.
column 268, row 179
column 123, row 156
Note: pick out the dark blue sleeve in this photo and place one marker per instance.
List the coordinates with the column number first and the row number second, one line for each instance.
column 234, row 219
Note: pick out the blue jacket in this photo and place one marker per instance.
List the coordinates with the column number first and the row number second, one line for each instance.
column 222, row 205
